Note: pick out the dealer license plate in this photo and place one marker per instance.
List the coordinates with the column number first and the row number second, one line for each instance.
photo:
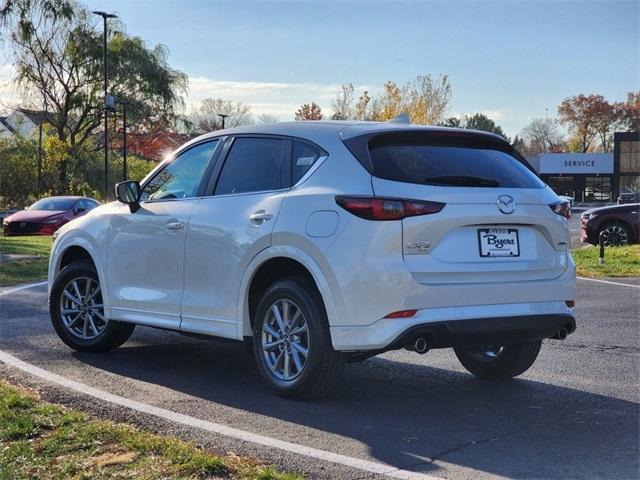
column 498, row 242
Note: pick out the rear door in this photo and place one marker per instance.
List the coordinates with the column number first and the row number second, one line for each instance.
column 229, row 227
column 496, row 226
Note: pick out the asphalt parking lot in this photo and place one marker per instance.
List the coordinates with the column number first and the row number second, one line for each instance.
column 575, row 414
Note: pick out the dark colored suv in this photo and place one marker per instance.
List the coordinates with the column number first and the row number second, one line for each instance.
column 619, row 224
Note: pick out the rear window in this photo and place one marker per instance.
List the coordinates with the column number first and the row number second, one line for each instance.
column 467, row 161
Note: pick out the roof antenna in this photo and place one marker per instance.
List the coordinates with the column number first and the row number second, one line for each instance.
column 402, row 118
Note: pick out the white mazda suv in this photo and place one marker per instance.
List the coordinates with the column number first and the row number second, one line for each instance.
column 320, row 243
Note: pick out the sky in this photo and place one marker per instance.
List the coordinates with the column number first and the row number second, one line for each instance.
column 508, row 59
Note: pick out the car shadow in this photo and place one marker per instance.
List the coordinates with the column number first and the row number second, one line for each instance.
column 408, row 415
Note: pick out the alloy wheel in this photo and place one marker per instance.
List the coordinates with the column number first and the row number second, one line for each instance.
column 81, row 308
column 614, row 236
column 285, row 340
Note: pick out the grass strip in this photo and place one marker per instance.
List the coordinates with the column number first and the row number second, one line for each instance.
column 48, row 441
column 24, row 270
column 618, row 261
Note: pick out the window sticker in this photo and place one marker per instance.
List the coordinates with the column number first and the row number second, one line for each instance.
column 305, row 161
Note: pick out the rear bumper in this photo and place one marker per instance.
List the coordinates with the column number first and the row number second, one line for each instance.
column 459, row 326
column 486, row 331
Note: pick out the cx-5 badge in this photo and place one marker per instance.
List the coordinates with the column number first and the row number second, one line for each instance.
column 506, row 204
column 420, row 246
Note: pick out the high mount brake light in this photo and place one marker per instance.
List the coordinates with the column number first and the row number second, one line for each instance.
column 379, row 208
column 561, row 208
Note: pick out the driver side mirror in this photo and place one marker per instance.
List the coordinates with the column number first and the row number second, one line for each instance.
column 129, row 192
column 78, row 210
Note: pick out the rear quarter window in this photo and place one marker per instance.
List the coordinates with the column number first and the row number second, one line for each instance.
column 303, row 157
column 467, row 161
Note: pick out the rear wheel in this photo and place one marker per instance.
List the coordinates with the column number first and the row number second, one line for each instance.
column 499, row 361
column 292, row 342
column 77, row 311
column 615, row 234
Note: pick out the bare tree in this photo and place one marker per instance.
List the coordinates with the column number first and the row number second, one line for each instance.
column 542, row 135
column 208, row 118
column 362, row 107
column 428, row 99
column 267, row 118
column 343, row 105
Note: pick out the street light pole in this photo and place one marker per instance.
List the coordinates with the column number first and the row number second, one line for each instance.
column 124, row 104
column 222, row 116
column 105, row 16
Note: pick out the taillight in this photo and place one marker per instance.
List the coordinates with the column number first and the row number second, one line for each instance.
column 561, row 208
column 378, row 208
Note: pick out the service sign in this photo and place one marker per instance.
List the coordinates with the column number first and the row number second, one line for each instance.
column 583, row 163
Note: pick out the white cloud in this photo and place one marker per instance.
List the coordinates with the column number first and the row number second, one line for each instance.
column 9, row 93
column 277, row 98
column 494, row 115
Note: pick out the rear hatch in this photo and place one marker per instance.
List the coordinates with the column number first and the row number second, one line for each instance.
column 496, row 226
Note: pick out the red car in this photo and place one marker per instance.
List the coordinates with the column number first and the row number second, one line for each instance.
column 47, row 215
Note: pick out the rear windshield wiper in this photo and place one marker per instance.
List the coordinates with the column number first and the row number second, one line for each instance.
column 462, row 181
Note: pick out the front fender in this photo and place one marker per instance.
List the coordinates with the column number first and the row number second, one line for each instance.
column 79, row 238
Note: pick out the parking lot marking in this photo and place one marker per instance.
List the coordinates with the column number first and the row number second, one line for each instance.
column 21, row 287
column 217, row 428
column 608, row 282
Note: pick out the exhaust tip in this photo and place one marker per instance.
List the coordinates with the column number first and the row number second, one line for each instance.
column 420, row 345
column 562, row 334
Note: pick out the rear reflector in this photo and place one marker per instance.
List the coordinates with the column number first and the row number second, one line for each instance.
column 570, row 303
column 561, row 208
column 379, row 208
column 402, row 314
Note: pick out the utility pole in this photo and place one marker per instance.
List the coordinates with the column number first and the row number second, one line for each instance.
column 223, row 116
column 124, row 104
column 105, row 16
column 38, row 181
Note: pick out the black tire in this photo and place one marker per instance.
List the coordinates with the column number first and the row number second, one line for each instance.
column 616, row 234
column 324, row 365
column 114, row 333
column 511, row 361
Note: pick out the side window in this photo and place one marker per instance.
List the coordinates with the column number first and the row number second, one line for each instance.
column 253, row 165
column 181, row 178
column 302, row 158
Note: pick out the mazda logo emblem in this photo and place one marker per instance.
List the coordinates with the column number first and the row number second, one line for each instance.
column 506, row 204
column 23, row 224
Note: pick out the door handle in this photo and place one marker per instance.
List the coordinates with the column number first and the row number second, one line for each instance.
column 175, row 225
column 260, row 217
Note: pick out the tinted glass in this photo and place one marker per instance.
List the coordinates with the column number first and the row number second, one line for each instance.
column 181, row 178
column 253, row 165
column 463, row 165
column 53, row 204
column 303, row 157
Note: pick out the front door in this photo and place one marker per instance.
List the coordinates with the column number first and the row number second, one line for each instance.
column 145, row 269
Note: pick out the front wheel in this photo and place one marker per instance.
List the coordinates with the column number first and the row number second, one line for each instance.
column 77, row 311
column 292, row 343
column 499, row 361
